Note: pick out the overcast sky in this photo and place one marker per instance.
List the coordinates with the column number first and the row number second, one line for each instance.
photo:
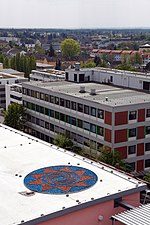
column 74, row 13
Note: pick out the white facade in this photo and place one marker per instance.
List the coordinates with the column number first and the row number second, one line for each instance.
column 134, row 80
column 13, row 94
column 7, row 79
column 47, row 76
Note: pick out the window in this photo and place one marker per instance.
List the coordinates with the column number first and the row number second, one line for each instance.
column 100, row 114
column 80, row 123
column 73, row 105
column 62, row 102
column 80, row 107
column 132, row 115
column 52, row 127
column 132, row 149
column 148, row 113
column 68, row 104
column 42, row 109
column 132, row 132
column 41, row 96
column 24, row 91
column 147, row 163
column 47, row 125
column 51, row 99
column 86, row 142
column 56, row 100
column 132, row 166
column 111, row 78
column 37, row 121
column 62, row 117
column 92, row 128
column 147, row 147
column 73, row 121
column 37, row 94
column 42, row 123
column 32, row 93
column 93, row 111
column 28, row 92
column 67, row 119
column 46, row 98
column 66, row 75
column 37, row 108
column 57, row 115
column 47, row 112
column 32, row 106
column 51, row 113
column 100, row 131
column 148, row 130
column 86, row 126
column 86, row 109
column 75, row 77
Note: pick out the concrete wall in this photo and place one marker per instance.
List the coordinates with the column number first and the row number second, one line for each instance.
column 89, row 216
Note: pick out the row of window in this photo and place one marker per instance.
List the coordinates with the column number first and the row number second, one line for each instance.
column 147, row 164
column 133, row 114
column 133, row 131
column 132, row 149
column 77, row 122
column 66, row 103
column 76, row 137
column 65, row 118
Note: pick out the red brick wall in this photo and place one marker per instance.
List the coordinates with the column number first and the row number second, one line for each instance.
column 107, row 136
column 123, row 151
column 121, row 136
column 108, row 117
column 141, row 132
column 140, row 149
column 141, row 115
column 140, row 165
column 121, row 118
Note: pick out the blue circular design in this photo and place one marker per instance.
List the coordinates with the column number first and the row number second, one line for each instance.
column 60, row 179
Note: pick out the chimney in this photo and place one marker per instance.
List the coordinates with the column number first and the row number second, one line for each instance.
column 82, row 89
column 93, row 92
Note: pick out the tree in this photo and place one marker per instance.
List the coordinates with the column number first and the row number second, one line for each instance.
column 15, row 116
column 88, row 64
column 70, row 47
column 111, row 157
column 63, row 141
column 51, row 51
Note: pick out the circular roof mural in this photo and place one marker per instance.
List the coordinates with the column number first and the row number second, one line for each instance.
column 60, row 179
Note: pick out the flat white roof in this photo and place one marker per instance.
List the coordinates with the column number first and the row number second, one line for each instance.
column 20, row 154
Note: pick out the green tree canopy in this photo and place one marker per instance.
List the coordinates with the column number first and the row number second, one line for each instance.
column 63, row 141
column 14, row 116
column 70, row 47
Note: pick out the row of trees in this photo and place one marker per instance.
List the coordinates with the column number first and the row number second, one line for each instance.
column 19, row 62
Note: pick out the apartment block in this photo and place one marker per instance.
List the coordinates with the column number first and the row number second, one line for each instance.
column 92, row 115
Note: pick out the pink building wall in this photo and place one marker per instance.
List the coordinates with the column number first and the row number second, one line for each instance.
column 89, row 216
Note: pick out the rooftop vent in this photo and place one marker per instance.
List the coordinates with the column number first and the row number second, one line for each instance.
column 77, row 66
column 82, row 89
column 106, row 99
column 93, row 92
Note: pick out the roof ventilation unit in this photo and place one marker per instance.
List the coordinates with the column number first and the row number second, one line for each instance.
column 93, row 92
column 77, row 66
column 106, row 98
column 82, row 89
